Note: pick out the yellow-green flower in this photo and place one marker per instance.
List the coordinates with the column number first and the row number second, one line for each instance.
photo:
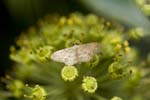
column 116, row 70
column 38, row 93
column 69, row 73
column 16, row 87
column 89, row 84
column 116, row 98
column 43, row 53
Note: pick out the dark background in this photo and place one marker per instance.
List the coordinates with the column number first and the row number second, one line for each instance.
column 7, row 32
column 11, row 26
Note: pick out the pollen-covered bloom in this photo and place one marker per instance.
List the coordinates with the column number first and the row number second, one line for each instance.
column 89, row 84
column 69, row 73
column 38, row 93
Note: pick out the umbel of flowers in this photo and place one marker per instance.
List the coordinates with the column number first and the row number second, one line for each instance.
column 75, row 57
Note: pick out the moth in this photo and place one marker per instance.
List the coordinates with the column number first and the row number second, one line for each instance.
column 76, row 54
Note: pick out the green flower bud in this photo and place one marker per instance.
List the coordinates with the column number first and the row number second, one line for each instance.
column 118, row 48
column 126, row 43
column 89, row 84
column 116, row 70
column 127, row 49
column 22, row 56
column 62, row 21
column 116, row 40
column 70, row 22
column 16, row 88
column 69, row 73
column 38, row 93
column 75, row 19
column 91, row 19
column 116, row 98
column 43, row 53
column 94, row 62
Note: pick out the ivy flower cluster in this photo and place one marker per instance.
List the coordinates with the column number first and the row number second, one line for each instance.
column 76, row 57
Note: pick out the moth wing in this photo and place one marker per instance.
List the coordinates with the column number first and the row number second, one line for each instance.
column 87, row 51
column 67, row 56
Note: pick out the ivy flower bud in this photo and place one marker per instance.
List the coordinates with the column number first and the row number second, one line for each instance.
column 127, row 50
column 95, row 61
column 70, row 22
column 75, row 19
column 126, row 43
column 89, row 84
column 16, row 88
column 21, row 56
column 116, row 71
column 118, row 48
column 62, row 21
column 115, row 98
column 69, row 73
column 91, row 19
column 38, row 93
column 43, row 53
column 115, row 40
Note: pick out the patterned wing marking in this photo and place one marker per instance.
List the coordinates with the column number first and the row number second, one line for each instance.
column 76, row 54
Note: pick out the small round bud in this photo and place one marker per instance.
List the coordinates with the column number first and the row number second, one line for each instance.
column 91, row 19
column 43, row 53
column 75, row 19
column 69, row 73
column 126, row 43
column 70, row 22
column 95, row 61
column 38, row 93
column 16, row 88
column 116, row 98
column 89, row 84
column 62, row 21
column 118, row 47
column 127, row 50
column 116, row 71
column 21, row 56
column 115, row 40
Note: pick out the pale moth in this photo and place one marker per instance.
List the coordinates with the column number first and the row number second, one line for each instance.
column 76, row 54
